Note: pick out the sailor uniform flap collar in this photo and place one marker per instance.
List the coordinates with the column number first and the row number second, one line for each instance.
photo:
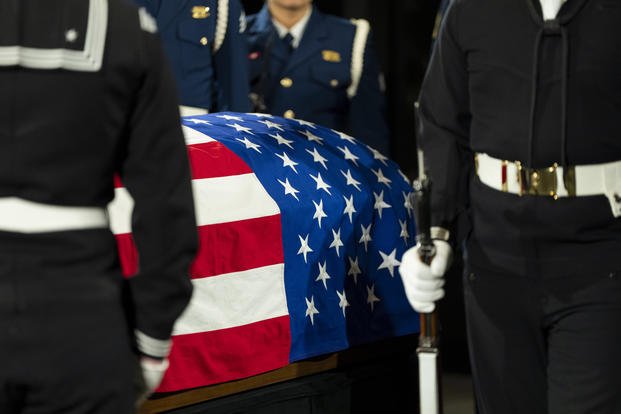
column 71, row 35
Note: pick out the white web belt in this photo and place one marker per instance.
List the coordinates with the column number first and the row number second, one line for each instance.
column 24, row 216
column 555, row 181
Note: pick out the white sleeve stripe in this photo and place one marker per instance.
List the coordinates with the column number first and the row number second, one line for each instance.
column 357, row 54
column 151, row 346
column 221, row 24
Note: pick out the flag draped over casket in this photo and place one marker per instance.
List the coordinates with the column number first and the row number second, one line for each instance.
column 301, row 229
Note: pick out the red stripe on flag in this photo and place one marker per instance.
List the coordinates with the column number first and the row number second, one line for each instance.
column 212, row 159
column 128, row 255
column 238, row 245
column 223, row 248
column 218, row 356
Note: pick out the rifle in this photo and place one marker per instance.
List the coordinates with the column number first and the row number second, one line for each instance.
column 430, row 395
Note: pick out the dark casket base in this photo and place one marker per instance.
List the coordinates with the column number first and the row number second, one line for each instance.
column 379, row 377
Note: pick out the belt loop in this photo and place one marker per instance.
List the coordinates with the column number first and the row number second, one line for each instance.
column 521, row 177
column 569, row 180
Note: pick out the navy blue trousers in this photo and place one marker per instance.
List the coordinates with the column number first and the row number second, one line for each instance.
column 64, row 340
column 545, row 345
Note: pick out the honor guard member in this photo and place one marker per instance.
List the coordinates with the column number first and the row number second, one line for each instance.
column 521, row 135
column 320, row 68
column 204, row 42
column 86, row 92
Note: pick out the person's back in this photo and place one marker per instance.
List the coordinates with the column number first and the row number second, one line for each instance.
column 85, row 94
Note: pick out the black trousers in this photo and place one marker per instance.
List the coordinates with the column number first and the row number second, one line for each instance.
column 545, row 345
column 64, row 341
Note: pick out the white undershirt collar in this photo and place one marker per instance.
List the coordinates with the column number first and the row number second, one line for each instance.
column 297, row 30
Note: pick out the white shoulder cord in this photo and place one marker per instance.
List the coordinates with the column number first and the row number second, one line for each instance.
column 221, row 24
column 357, row 54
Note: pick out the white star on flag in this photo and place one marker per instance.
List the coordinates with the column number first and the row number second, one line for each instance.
column 260, row 115
column 378, row 155
column 346, row 137
column 304, row 247
column 240, row 128
column 407, row 203
column 287, row 162
column 381, row 178
column 321, row 184
column 199, row 121
column 269, row 124
column 366, row 236
column 318, row 158
column 389, row 262
column 319, row 213
column 349, row 207
column 249, row 144
column 380, row 204
column 289, row 189
column 405, row 177
column 323, row 274
column 336, row 243
column 281, row 140
column 311, row 310
column 348, row 155
column 343, row 303
column 404, row 231
column 351, row 180
column 312, row 137
column 230, row 117
column 305, row 123
column 371, row 298
column 354, row 269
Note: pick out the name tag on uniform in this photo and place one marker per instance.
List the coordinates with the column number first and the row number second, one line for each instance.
column 331, row 55
column 200, row 12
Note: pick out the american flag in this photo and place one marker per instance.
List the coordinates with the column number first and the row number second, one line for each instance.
column 301, row 229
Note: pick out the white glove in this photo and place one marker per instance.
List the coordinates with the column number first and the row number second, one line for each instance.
column 423, row 283
column 152, row 373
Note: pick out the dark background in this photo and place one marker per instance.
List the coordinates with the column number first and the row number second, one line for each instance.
column 402, row 34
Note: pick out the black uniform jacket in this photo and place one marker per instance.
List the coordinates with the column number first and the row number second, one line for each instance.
column 86, row 93
column 501, row 82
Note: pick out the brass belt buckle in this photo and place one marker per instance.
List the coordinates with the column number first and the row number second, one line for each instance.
column 538, row 181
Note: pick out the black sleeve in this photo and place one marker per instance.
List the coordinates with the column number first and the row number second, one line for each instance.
column 156, row 174
column 445, row 125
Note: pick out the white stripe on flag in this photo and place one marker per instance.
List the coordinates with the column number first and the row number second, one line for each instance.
column 192, row 136
column 230, row 300
column 216, row 200
column 232, row 198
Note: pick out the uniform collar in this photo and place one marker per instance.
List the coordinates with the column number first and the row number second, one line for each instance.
column 550, row 8
column 296, row 31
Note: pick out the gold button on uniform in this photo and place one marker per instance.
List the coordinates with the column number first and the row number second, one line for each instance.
column 286, row 82
column 204, row 41
column 334, row 83
column 289, row 114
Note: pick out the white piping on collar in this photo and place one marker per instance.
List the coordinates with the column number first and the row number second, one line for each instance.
column 87, row 60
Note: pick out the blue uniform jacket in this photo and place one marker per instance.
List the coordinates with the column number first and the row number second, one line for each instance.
column 213, row 80
column 312, row 82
